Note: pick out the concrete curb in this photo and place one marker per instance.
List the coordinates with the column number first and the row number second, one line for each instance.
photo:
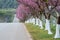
column 28, row 34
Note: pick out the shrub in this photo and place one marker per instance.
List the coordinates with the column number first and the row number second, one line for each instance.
column 7, row 15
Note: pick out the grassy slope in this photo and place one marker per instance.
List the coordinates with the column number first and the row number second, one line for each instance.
column 38, row 34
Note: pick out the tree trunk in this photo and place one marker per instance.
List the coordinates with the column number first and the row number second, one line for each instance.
column 57, row 35
column 40, row 24
column 33, row 20
column 27, row 21
column 40, row 21
column 37, row 21
column 47, row 25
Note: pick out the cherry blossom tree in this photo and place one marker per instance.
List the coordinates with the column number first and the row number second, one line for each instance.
column 23, row 12
column 55, row 4
column 36, row 8
column 33, row 7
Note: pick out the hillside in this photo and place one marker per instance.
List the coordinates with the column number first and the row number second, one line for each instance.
column 8, row 4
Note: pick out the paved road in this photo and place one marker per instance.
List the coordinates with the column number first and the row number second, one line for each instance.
column 13, row 31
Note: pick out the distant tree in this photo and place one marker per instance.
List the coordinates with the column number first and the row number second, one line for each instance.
column 8, row 4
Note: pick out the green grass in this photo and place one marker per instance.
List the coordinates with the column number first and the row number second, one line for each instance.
column 40, row 34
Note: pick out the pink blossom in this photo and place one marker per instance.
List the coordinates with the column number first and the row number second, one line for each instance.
column 30, row 3
column 22, row 11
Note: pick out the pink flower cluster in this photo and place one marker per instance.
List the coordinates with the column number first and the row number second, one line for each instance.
column 22, row 11
column 24, row 8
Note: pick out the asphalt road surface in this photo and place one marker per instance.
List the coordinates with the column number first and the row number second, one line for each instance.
column 13, row 31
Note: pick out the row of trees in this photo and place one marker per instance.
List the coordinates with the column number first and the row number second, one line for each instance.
column 35, row 9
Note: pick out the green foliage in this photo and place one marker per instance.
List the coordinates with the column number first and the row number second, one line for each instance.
column 7, row 14
column 45, row 0
column 8, row 4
